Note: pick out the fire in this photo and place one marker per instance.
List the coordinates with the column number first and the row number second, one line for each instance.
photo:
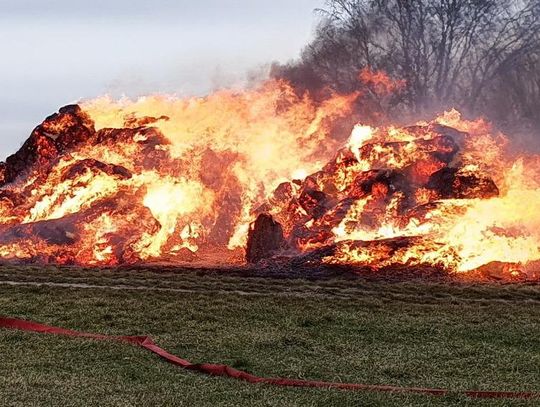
column 426, row 195
column 158, row 178
column 174, row 179
column 170, row 202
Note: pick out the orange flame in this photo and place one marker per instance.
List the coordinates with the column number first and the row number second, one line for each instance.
column 163, row 178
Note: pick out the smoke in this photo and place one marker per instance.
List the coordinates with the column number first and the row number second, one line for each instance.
column 482, row 58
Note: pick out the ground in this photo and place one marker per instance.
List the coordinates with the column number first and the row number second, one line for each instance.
column 409, row 333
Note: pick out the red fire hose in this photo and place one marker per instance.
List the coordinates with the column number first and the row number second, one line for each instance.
column 224, row 370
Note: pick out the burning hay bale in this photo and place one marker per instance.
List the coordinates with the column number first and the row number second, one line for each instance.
column 95, row 167
column 265, row 239
column 383, row 204
column 454, row 183
column 58, row 133
column 428, row 195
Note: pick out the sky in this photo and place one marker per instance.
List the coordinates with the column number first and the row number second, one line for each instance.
column 56, row 52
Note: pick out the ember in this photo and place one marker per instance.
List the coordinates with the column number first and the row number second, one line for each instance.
column 162, row 179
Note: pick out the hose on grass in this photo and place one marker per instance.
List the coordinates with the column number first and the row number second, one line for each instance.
column 223, row 370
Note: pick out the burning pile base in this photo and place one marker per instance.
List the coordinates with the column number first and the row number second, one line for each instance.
column 387, row 204
column 437, row 197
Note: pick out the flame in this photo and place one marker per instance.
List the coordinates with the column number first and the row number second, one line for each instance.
column 380, row 82
column 169, row 179
column 134, row 180
column 359, row 136
column 458, row 234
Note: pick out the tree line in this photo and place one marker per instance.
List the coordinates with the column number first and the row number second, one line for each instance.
column 481, row 56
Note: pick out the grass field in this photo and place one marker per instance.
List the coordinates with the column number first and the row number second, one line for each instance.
column 417, row 333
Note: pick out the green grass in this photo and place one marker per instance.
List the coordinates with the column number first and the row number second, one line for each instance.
column 409, row 334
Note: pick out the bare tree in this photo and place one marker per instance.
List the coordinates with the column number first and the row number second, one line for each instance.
column 449, row 52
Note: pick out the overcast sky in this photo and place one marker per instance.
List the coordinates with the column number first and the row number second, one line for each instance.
column 55, row 52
